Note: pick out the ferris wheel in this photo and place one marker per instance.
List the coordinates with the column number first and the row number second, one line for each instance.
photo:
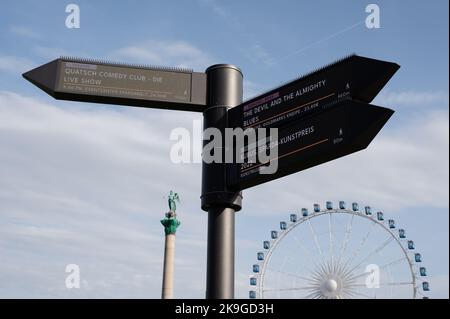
column 338, row 254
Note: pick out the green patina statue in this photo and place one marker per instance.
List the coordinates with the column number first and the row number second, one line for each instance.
column 173, row 197
column 171, row 222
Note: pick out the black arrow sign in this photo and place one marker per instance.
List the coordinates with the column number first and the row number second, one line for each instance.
column 103, row 82
column 355, row 77
column 346, row 128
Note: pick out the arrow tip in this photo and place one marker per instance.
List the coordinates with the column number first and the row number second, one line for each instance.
column 44, row 76
column 371, row 76
column 368, row 120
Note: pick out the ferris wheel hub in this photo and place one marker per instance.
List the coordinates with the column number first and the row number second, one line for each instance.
column 329, row 288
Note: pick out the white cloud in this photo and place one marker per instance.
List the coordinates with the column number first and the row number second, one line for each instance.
column 403, row 167
column 87, row 184
column 165, row 53
column 14, row 64
column 25, row 32
column 413, row 98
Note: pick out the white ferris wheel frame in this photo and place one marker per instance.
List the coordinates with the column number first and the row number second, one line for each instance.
column 302, row 219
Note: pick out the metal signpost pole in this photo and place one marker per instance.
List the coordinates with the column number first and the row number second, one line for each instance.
column 224, row 90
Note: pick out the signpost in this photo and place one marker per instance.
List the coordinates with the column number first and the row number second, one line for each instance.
column 320, row 117
column 345, row 128
column 353, row 77
column 112, row 83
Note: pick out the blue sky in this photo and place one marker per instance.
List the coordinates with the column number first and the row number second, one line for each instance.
column 86, row 184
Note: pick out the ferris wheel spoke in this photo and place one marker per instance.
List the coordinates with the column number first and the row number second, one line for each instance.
column 315, row 265
column 394, row 262
column 365, row 273
column 400, row 283
column 302, row 246
column 305, row 250
column 330, row 231
column 389, row 270
column 316, row 240
column 361, row 245
column 290, row 274
column 313, row 295
column 375, row 251
column 318, row 273
column 348, row 231
column 357, row 293
column 290, row 289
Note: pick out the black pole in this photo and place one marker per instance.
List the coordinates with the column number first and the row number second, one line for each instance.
column 224, row 89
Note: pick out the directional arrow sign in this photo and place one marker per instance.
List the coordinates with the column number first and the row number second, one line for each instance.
column 102, row 82
column 355, row 77
column 347, row 127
